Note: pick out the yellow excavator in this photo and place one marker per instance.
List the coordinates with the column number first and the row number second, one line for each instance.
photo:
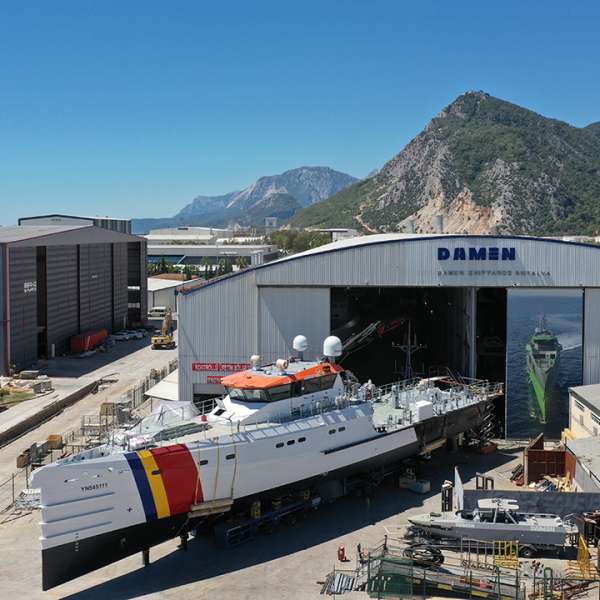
column 165, row 340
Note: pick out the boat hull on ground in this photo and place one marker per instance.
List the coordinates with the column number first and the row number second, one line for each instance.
column 67, row 561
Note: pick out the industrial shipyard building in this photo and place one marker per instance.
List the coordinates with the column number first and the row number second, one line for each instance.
column 58, row 282
column 520, row 310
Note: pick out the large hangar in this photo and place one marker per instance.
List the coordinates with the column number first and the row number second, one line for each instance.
column 520, row 310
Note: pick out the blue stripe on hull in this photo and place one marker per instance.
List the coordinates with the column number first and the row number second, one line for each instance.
column 143, row 486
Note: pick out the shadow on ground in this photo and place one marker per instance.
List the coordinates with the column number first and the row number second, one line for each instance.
column 73, row 367
column 204, row 560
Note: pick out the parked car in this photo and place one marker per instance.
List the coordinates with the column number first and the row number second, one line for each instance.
column 134, row 334
column 120, row 336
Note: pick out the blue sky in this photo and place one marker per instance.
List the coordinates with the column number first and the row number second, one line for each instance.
column 132, row 108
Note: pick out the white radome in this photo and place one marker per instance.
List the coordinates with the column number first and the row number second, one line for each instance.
column 332, row 346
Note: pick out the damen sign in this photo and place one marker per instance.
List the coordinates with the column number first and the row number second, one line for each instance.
column 480, row 253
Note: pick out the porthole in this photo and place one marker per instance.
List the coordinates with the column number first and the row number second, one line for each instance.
column 279, row 445
column 290, row 442
column 302, row 439
column 203, row 462
column 230, row 456
column 331, row 431
column 341, row 429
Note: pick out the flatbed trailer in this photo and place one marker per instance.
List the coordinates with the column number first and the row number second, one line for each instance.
column 236, row 531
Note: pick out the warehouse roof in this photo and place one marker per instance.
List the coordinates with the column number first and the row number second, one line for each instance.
column 588, row 394
column 587, row 451
column 156, row 283
column 16, row 233
column 390, row 238
column 72, row 217
column 78, row 234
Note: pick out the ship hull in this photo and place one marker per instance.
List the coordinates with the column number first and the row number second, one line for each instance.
column 543, row 383
column 66, row 561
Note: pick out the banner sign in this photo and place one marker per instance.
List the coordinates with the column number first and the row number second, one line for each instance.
column 219, row 366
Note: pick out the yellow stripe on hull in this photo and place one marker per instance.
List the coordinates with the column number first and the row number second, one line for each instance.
column 156, row 484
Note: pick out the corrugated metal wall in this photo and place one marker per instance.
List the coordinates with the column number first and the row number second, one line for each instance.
column 95, row 287
column 62, row 300
column 220, row 324
column 136, row 276
column 591, row 337
column 3, row 317
column 287, row 312
column 23, row 306
column 119, row 266
column 415, row 263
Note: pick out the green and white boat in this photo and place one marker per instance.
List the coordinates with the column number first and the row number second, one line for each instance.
column 543, row 356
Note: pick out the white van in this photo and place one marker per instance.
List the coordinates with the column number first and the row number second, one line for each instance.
column 157, row 312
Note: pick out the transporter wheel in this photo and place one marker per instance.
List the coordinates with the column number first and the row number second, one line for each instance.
column 527, row 551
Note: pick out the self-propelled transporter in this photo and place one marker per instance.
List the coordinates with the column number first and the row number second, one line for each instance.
column 282, row 427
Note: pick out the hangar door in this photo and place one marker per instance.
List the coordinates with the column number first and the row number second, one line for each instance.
column 287, row 312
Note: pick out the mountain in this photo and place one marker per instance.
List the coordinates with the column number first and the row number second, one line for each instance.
column 280, row 196
column 488, row 166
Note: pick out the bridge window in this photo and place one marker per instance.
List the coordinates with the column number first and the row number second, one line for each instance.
column 280, row 392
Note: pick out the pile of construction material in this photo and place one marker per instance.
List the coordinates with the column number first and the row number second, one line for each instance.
column 23, row 386
column 35, row 454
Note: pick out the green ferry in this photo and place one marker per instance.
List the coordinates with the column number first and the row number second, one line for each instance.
column 543, row 356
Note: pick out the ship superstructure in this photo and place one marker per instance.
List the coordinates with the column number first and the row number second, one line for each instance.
column 543, row 357
column 279, row 428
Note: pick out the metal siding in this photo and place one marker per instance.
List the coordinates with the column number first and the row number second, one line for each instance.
column 3, row 310
column 216, row 324
column 23, row 307
column 120, row 296
column 287, row 312
column 95, row 285
column 143, row 280
column 415, row 263
column 62, row 301
column 591, row 337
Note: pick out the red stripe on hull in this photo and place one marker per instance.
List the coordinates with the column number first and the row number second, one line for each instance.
column 180, row 477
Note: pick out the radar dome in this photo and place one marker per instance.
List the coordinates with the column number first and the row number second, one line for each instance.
column 300, row 343
column 332, row 346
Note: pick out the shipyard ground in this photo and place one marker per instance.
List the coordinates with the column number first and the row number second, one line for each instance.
column 126, row 363
column 286, row 564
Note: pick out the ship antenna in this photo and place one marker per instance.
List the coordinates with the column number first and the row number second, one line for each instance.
column 409, row 349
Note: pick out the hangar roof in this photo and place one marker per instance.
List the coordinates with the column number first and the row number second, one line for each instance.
column 548, row 262
column 41, row 235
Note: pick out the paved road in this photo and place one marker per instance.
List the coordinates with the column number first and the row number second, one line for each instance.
column 129, row 362
column 287, row 564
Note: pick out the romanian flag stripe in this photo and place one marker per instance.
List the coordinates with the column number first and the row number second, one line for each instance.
column 168, row 480
column 180, row 476
column 143, row 486
column 154, row 475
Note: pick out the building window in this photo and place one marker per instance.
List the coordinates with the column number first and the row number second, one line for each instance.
column 579, row 405
column 595, row 418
